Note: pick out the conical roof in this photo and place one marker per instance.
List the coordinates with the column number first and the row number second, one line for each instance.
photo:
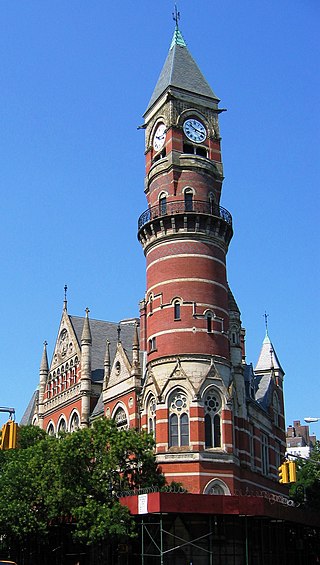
column 268, row 358
column 44, row 366
column 86, row 332
column 181, row 71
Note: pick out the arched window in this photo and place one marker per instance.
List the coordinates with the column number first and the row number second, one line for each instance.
column 62, row 427
column 162, row 204
column 216, row 487
column 74, row 422
column 212, row 423
column 212, row 203
column 177, row 310
column 188, row 200
column 120, row 419
column 178, row 419
column 209, row 322
column 152, row 416
column 50, row 430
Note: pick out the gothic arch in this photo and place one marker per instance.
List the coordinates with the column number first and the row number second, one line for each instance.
column 62, row 424
column 178, row 417
column 51, row 430
column 213, row 405
column 216, row 487
column 74, row 421
column 35, row 421
column 150, row 410
column 120, row 416
column 234, row 335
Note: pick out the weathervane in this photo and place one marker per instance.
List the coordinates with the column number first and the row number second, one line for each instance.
column 266, row 316
column 176, row 16
column 65, row 297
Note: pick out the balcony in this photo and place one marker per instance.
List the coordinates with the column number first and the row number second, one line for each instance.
column 164, row 209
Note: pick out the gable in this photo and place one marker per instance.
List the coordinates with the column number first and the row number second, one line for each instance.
column 67, row 344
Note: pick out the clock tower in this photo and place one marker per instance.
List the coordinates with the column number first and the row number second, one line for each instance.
column 190, row 324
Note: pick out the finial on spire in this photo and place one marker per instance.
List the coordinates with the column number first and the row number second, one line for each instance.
column 65, row 297
column 266, row 316
column 176, row 16
column 86, row 332
column 119, row 333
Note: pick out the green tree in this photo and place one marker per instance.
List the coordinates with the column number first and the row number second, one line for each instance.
column 307, row 488
column 76, row 478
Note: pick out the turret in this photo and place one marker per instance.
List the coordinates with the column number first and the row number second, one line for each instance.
column 43, row 373
column 107, row 366
column 136, row 368
column 86, row 344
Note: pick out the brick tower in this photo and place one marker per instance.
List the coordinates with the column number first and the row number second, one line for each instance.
column 185, row 316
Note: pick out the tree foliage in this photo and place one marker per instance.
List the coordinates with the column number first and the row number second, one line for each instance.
column 307, row 488
column 75, row 478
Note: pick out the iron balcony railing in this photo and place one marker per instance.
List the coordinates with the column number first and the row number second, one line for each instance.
column 181, row 207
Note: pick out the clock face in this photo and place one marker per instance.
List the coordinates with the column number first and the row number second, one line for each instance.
column 194, row 130
column 159, row 137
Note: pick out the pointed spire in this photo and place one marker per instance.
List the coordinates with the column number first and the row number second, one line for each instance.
column 268, row 359
column 86, row 332
column 136, row 369
column 177, row 35
column 43, row 377
column 107, row 365
column 181, row 71
column 266, row 316
column 44, row 366
column 65, row 304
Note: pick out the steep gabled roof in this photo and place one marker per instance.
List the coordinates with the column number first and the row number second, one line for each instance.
column 182, row 72
column 100, row 332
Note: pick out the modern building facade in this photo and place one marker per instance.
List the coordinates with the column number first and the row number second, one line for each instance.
column 299, row 440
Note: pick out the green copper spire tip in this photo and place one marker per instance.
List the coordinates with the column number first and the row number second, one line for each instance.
column 177, row 36
column 177, row 39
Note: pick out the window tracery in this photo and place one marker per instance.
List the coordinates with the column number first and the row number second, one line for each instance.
column 152, row 416
column 178, row 419
column 120, row 419
column 212, row 420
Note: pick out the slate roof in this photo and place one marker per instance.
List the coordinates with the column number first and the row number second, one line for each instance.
column 30, row 410
column 263, row 386
column 100, row 332
column 98, row 409
column 233, row 306
column 268, row 359
column 181, row 71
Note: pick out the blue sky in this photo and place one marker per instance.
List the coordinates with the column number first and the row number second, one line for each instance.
column 75, row 79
